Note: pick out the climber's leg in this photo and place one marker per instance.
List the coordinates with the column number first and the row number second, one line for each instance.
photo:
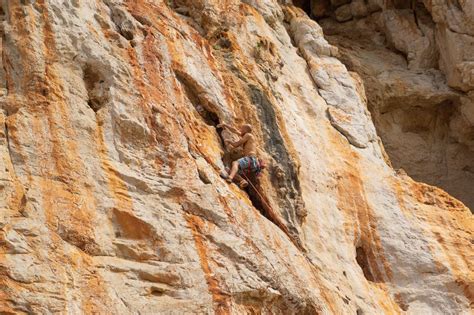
column 233, row 171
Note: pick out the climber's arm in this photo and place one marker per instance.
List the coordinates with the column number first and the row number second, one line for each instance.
column 240, row 141
column 230, row 128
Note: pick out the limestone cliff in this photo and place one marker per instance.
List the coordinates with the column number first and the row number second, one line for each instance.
column 111, row 197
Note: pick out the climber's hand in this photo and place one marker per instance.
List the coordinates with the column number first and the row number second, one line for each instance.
column 222, row 125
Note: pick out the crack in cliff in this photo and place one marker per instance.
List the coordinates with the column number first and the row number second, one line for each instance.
column 363, row 262
column 286, row 183
column 195, row 95
column 275, row 145
column 7, row 140
column 284, row 177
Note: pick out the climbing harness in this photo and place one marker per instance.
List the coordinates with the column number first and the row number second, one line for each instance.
column 250, row 164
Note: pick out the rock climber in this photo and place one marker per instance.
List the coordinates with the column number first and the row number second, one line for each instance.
column 249, row 163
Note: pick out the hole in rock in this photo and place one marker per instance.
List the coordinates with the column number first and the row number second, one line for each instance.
column 97, row 90
column 363, row 262
column 316, row 9
column 157, row 291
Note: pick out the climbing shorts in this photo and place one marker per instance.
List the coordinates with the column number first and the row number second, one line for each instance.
column 249, row 164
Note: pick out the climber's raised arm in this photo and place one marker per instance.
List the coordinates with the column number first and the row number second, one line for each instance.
column 241, row 141
column 230, row 128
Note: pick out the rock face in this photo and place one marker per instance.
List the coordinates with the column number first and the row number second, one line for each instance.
column 111, row 197
column 415, row 59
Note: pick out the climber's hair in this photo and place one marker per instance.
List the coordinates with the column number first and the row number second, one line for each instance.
column 247, row 127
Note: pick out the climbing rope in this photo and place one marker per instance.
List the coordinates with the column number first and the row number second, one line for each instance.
column 271, row 217
column 254, row 188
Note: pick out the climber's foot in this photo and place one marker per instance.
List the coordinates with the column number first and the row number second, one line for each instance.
column 224, row 175
column 243, row 184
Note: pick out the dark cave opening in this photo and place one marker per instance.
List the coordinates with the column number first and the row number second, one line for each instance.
column 305, row 5
column 211, row 118
column 400, row 4
column 324, row 8
column 316, row 9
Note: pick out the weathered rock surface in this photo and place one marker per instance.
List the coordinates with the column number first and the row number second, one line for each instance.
column 413, row 77
column 111, row 197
